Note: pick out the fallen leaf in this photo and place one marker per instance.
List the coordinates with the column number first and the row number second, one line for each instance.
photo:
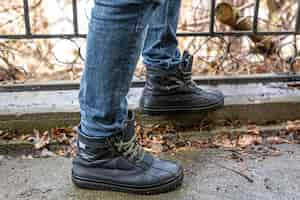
column 223, row 140
column 7, row 136
column 41, row 141
column 61, row 152
column 253, row 129
column 63, row 135
column 46, row 153
column 293, row 126
column 25, row 137
column 157, row 148
column 247, row 140
column 28, row 157
column 199, row 144
column 277, row 140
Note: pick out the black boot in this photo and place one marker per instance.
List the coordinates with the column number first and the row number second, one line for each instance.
column 169, row 91
column 118, row 163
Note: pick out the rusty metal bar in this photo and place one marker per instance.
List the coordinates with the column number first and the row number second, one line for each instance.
column 297, row 28
column 212, row 17
column 75, row 17
column 27, row 17
column 256, row 14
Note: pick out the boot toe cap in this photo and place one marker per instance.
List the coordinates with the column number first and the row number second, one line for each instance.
column 214, row 96
column 166, row 170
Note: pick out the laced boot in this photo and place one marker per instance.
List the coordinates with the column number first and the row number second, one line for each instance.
column 119, row 163
column 174, row 90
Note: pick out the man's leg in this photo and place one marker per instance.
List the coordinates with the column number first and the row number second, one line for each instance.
column 113, row 47
column 109, row 156
column 168, row 83
column 161, row 46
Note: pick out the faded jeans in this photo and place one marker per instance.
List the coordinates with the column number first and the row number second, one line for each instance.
column 119, row 31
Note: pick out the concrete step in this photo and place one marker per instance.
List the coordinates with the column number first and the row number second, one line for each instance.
column 255, row 102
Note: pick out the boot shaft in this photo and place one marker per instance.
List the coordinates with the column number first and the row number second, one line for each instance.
column 160, row 80
column 92, row 148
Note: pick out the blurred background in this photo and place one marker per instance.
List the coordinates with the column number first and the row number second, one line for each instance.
column 63, row 59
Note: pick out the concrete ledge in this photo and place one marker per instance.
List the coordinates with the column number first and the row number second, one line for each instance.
column 23, row 111
column 12, row 147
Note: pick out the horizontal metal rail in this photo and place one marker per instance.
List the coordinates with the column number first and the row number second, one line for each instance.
column 209, row 80
column 182, row 34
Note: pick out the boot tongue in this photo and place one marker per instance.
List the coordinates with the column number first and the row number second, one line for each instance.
column 128, row 127
column 187, row 62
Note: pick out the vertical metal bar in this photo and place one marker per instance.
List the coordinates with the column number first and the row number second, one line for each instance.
column 298, row 18
column 75, row 16
column 255, row 18
column 26, row 17
column 212, row 17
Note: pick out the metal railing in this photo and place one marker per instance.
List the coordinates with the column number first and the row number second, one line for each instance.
column 212, row 32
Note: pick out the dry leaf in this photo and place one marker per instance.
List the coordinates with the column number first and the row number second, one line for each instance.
column 247, row 140
column 293, row 126
column 24, row 137
column 41, row 141
column 63, row 135
column 199, row 144
column 277, row 140
column 157, row 148
column 224, row 140
column 7, row 136
column 46, row 153
column 253, row 129
column 61, row 152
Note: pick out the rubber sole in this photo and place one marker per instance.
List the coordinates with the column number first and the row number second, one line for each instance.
column 97, row 185
column 172, row 110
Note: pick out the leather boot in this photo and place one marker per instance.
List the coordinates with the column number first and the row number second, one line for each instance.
column 119, row 163
column 174, row 90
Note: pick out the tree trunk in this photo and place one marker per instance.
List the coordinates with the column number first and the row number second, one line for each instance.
column 230, row 16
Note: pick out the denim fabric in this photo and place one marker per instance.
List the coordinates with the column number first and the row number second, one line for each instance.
column 160, row 48
column 117, row 32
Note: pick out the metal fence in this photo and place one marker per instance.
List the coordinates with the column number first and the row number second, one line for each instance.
column 211, row 33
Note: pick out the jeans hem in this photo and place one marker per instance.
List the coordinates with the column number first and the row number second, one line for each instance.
column 166, row 65
column 95, row 134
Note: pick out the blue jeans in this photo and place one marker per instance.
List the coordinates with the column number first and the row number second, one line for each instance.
column 119, row 31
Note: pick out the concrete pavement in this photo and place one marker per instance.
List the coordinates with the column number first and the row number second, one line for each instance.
column 210, row 175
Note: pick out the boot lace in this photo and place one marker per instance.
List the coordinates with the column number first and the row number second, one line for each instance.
column 186, row 75
column 131, row 149
column 187, row 79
